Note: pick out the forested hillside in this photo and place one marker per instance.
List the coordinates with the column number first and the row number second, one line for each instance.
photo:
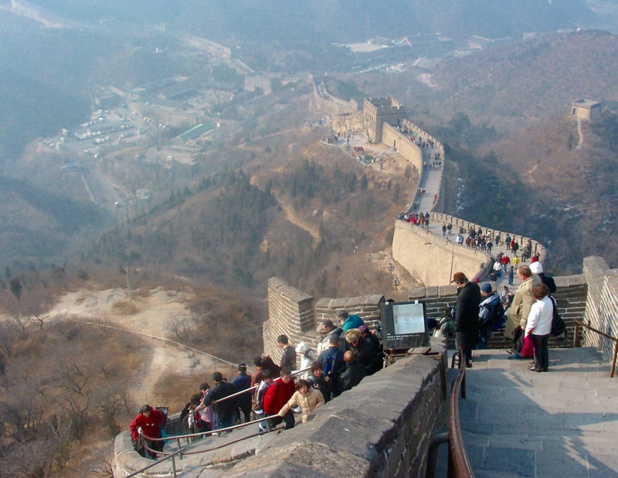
column 530, row 81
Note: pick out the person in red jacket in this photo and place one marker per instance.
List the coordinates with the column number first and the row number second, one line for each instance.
column 277, row 395
column 150, row 420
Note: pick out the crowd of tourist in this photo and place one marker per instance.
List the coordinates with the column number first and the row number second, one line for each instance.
column 273, row 393
column 527, row 315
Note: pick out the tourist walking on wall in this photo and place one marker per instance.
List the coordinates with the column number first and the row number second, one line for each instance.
column 327, row 329
column 150, row 421
column 466, row 316
column 348, row 321
column 505, row 262
column 225, row 410
column 538, row 326
column 520, row 308
column 277, row 396
column 288, row 359
column 352, row 374
column 537, row 268
column 242, row 381
column 306, row 397
column 490, row 311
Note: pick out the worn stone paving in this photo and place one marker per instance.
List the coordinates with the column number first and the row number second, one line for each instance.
column 519, row 423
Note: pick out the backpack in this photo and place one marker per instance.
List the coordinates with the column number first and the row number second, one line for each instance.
column 327, row 370
column 496, row 315
column 499, row 316
column 260, row 396
column 557, row 323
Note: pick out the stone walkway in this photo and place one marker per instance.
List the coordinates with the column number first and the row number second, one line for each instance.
column 518, row 423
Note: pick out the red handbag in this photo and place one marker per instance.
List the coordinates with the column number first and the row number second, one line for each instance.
column 527, row 350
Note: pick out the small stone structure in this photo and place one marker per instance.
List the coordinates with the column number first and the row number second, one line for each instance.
column 588, row 110
column 377, row 111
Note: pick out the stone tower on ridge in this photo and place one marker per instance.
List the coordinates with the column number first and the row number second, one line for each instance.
column 377, row 111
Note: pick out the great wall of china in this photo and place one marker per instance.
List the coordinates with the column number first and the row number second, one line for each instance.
column 367, row 432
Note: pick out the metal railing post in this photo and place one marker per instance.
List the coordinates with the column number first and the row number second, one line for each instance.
column 607, row 336
column 611, row 374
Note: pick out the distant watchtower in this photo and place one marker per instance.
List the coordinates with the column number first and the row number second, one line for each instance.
column 588, row 110
column 376, row 111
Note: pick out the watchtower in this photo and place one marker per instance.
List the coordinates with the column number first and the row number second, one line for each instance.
column 376, row 111
column 588, row 110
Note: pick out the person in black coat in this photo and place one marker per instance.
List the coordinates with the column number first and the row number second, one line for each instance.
column 226, row 409
column 366, row 352
column 466, row 316
column 352, row 374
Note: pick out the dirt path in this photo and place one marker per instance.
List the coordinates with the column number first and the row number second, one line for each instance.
column 291, row 216
column 107, row 308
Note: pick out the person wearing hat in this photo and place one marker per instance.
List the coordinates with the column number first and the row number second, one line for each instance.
column 331, row 361
column 537, row 268
column 242, row 381
column 490, row 310
column 150, row 421
column 466, row 316
column 520, row 307
column 327, row 329
column 307, row 356
column 349, row 321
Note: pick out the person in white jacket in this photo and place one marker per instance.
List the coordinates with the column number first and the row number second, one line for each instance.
column 538, row 326
column 307, row 357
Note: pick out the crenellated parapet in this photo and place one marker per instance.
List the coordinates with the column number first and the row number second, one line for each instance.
column 601, row 304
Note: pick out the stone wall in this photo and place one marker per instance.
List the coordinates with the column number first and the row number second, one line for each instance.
column 571, row 298
column 392, row 137
column 381, row 428
column 601, row 304
column 290, row 313
column 433, row 259
column 459, row 223
column 366, row 307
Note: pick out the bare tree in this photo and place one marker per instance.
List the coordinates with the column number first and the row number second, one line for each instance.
column 365, row 125
column 9, row 335
column 181, row 327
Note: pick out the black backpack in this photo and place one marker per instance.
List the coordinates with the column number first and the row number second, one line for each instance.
column 496, row 316
column 557, row 323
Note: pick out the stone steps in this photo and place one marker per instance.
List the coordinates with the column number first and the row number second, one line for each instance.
column 521, row 423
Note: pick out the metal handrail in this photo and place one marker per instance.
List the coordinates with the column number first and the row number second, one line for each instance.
column 579, row 324
column 210, row 432
column 246, row 390
column 458, row 465
column 182, row 451
column 156, row 462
